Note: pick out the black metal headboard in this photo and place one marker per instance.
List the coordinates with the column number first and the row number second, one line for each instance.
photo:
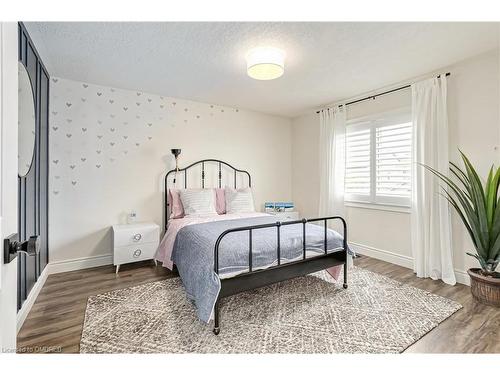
column 183, row 171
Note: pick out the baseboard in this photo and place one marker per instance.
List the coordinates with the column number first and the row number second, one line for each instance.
column 388, row 256
column 401, row 260
column 80, row 263
column 462, row 277
column 33, row 294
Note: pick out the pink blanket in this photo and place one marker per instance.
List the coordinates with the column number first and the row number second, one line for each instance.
column 164, row 252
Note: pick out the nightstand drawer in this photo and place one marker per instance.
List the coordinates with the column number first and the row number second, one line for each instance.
column 134, row 253
column 135, row 234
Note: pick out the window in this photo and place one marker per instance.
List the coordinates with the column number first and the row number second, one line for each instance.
column 378, row 160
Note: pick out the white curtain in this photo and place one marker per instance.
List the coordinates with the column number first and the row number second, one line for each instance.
column 332, row 161
column 430, row 216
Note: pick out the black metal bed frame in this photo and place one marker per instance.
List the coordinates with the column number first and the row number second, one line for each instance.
column 202, row 162
column 253, row 279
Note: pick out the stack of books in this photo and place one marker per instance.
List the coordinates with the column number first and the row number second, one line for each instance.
column 278, row 206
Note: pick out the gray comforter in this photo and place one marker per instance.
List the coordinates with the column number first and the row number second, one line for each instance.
column 193, row 253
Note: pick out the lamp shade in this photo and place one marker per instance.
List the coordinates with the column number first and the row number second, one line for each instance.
column 265, row 63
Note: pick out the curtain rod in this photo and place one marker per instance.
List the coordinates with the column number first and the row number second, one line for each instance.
column 380, row 94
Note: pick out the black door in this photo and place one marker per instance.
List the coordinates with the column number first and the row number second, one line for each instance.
column 33, row 188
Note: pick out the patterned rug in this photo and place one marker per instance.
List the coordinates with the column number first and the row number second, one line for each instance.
column 310, row 314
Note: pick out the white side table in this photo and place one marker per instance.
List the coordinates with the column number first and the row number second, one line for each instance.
column 134, row 242
column 285, row 215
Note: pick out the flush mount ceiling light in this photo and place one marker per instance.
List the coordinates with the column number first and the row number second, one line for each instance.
column 265, row 63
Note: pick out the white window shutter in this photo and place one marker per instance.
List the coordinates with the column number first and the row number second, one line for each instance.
column 358, row 158
column 393, row 160
column 379, row 160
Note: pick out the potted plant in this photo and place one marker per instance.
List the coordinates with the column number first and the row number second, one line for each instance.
column 479, row 208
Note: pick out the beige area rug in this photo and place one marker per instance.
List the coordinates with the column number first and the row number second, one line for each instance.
column 310, row 314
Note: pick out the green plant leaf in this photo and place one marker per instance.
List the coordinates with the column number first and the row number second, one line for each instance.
column 481, row 241
column 495, row 226
column 455, row 205
column 463, row 176
column 457, row 172
column 491, row 195
column 495, row 249
column 478, row 199
column 478, row 206
column 473, row 255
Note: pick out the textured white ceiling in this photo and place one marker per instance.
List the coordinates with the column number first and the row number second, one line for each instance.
column 206, row 61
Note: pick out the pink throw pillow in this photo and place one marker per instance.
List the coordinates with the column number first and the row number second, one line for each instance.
column 177, row 209
column 220, row 201
column 174, row 199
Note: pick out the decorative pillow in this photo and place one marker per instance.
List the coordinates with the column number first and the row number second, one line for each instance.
column 238, row 201
column 220, row 201
column 174, row 199
column 198, row 201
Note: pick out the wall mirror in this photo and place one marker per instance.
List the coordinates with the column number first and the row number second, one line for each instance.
column 26, row 122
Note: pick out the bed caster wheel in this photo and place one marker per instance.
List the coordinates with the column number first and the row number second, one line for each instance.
column 216, row 331
column 345, row 286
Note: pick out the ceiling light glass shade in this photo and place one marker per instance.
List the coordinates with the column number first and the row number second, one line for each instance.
column 265, row 63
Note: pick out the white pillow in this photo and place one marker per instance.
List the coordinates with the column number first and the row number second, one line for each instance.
column 198, row 201
column 239, row 201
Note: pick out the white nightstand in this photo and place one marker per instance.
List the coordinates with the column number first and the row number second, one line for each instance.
column 285, row 215
column 134, row 242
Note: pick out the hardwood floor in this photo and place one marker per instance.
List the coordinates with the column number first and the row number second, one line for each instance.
column 473, row 329
column 56, row 319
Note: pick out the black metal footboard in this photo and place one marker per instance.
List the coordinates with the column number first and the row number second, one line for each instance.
column 253, row 279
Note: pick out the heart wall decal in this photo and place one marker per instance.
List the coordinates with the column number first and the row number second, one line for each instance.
column 96, row 128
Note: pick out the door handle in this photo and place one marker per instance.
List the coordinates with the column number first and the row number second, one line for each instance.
column 12, row 246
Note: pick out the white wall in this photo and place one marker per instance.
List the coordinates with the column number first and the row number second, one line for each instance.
column 474, row 128
column 305, row 164
column 473, row 105
column 8, row 179
column 97, row 175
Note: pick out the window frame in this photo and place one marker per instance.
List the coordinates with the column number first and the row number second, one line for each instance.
column 372, row 122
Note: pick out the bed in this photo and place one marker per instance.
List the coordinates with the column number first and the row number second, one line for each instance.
column 222, row 255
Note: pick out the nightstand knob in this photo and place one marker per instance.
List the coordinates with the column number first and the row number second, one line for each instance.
column 137, row 237
column 137, row 253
